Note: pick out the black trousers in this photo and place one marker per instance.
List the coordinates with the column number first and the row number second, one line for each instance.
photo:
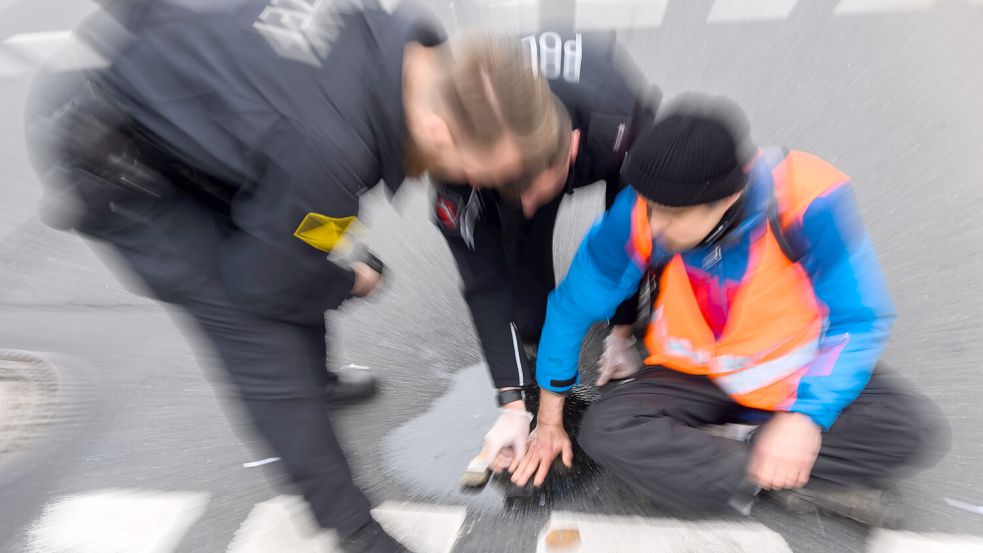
column 647, row 433
column 528, row 245
column 277, row 368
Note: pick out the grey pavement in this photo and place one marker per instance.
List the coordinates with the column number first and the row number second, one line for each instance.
column 892, row 98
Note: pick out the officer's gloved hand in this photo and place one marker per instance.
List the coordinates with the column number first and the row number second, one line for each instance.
column 619, row 360
column 507, row 438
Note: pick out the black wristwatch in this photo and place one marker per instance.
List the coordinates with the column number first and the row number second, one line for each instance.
column 508, row 396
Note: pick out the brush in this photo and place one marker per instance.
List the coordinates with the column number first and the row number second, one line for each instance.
column 477, row 473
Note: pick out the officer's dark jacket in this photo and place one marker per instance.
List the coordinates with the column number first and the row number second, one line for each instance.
column 295, row 105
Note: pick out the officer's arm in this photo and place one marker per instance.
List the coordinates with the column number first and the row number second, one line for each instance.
column 274, row 267
column 847, row 278
column 603, row 274
column 487, row 285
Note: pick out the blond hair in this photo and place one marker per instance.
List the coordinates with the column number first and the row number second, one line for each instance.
column 492, row 94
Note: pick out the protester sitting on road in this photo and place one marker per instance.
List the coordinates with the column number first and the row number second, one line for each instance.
column 770, row 304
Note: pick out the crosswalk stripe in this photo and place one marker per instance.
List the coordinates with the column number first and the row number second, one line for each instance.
column 135, row 521
column 284, row 523
column 38, row 46
column 62, row 50
column 281, row 524
column 619, row 14
column 730, row 11
column 628, row 534
column 859, row 7
column 422, row 528
column 149, row 521
column 892, row 541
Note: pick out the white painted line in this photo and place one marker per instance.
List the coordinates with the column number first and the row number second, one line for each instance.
column 978, row 509
column 261, row 462
column 134, row 521
column 45, row 37
column 891, row 541
column 730, row 11
column 284, row 523
column 623, row 534
column 618, row 14
column 38, row 46
column 859, row 7
column 61, row 50
column 422, row 528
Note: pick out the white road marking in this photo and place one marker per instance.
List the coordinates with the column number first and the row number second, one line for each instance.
column 731, row 11
column 969, row 507
column 891, row 541
column 146, row 521
column 624, row 534
column 61, row 50
column 110, row 521
column 859, row 7
column 261, row 462
column 422, row 528
column 618, row 14
column 38, row 46
column 284, row 523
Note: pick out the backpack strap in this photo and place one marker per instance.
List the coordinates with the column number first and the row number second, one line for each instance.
column 775, row 157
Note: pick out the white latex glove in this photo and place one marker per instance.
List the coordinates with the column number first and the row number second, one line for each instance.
column 507, row 438
column 619, row 360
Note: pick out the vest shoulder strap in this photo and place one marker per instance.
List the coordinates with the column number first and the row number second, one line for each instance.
column 775, row 156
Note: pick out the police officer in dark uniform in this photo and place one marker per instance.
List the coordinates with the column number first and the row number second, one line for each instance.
column 503, row 243
column 221, row 152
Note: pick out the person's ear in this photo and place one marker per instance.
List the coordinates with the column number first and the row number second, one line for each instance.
column 436, row 132
column 574, row 145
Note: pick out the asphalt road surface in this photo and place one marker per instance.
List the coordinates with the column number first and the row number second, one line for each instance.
column 888, row 90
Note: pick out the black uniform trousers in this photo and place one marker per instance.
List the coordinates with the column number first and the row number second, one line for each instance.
column 508, row 275
column 528, row 245
column 647, row 433
column 276, row 368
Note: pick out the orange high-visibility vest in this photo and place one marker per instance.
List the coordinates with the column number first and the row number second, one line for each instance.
column 774, row 324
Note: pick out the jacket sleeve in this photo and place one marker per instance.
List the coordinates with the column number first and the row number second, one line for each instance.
column 841, row 262
column 603, row 273
column 487, row 287
column 267, row 267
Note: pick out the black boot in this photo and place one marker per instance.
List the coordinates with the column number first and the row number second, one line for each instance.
column 371, row 538
column 870, row 507
column 349, row 384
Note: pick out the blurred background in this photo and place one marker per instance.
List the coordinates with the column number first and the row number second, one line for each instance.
column 126, row 447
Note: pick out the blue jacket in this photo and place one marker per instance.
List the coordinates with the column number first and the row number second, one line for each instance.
column 832, row 245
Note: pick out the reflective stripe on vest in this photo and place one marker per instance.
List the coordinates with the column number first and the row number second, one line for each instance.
column 775, row 321
column 758, row 376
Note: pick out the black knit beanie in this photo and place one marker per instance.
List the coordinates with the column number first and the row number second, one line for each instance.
column 694, row 154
